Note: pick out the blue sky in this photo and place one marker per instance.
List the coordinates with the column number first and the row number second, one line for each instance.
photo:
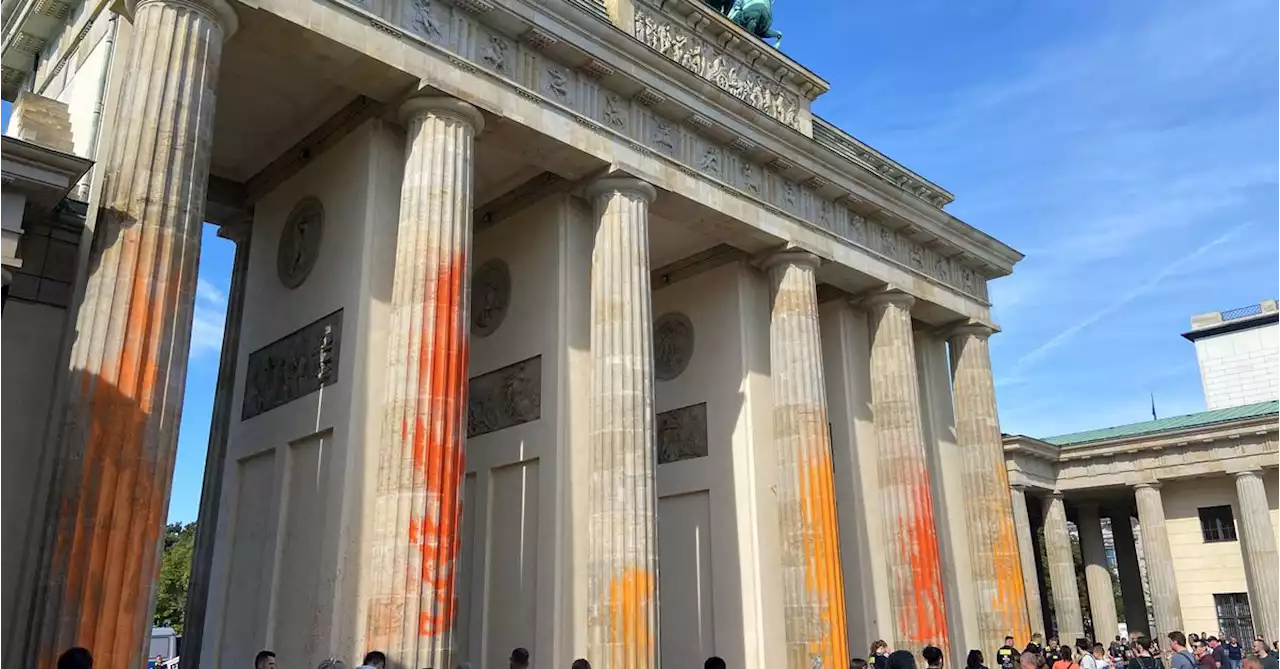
column 1128, row 148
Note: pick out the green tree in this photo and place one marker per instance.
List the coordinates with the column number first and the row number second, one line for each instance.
column 175, row 569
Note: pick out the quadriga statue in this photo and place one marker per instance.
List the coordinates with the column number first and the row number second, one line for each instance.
column 755, row 16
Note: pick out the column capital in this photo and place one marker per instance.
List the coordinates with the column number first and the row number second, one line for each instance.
column 621, row 184
column 886, row 296
column 1255, row 472
column 422, row 104
column 1153, row 485
column 969, row 329
column 218, row 10
column 1057, row 494
column 791, row 255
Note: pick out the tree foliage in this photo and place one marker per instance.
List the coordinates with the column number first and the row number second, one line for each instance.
column 175, row 569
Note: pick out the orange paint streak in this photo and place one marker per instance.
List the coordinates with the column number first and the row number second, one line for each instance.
column 630, row 594
column 823, row 575
column 437, row 448
column 1011, row 593
column 928, row 623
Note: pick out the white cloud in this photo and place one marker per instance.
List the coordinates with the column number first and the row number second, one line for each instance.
column 210, row 319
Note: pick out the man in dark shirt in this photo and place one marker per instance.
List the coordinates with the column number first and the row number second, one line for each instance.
column 1051, row 652
column 1234, row 652
column 1007, row 655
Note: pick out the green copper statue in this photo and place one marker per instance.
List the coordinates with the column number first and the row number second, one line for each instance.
column 756, row 17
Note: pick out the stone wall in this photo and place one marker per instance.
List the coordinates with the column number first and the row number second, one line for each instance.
column 1240, row 367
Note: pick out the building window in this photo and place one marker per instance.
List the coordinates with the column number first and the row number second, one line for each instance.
column 1234, row 618
column 1217, row 524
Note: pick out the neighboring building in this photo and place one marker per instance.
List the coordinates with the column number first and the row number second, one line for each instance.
column 1203, row 491
column 603, row 248
column 1239, row 354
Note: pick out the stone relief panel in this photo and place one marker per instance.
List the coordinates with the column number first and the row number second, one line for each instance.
column 505, row 397
column 299, row 245
column 490, row 297
column 682, row 434
column 672, row 345
column 293, row 366
column 717, row 66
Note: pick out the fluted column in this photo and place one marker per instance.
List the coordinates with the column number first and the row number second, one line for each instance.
column 1097, row 575
column 993, row 541
column 813, row 584
column 1062, row 571
column 114, row 453
column 216, row 456
column 622, row 567
column 416, row 543
column 1027, row 557
column 1135, row 602
column 1159, row 558
column 1260, row 558
column 912, row 554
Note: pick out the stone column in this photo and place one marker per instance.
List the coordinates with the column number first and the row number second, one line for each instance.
column 1097, row 575
column 1159, row 557
column 1062, row 572
column 917, row 600
column 415, row 541
column 1135, row 603
column 216, row 456
column 993, row 541
column 1027, row 556
column 812, row 579
column 113, row 454
column 622, row 563
column 1260, row 557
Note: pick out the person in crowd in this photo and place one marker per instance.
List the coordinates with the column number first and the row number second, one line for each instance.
column 75, row 658
column 714, row 662
column 1235, row 652
column 932, row 657
column 1250, row 662
column 880, row 654
column 1085, row 650
column 1265, row 654
column 1143, row 657
column 265, row 659
column 1119, row 652
column 1035, row 646
column 975, row 660
column 1100, row 657
column 1065, row 659
column 1052, row 652
column 581, row 663
column 900, row 659
column 1219, row 651
column 1029, row 660
column 1204, row 654
column 332, row 663
column 1182, row 657
column 1006, row 655
column 374, row 659
column 519, row 659
column 857, row 663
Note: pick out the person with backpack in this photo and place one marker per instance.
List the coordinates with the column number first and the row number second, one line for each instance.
column 1087, row 660
column 1181, row 658
column 1065, row 659
column 1143, row 657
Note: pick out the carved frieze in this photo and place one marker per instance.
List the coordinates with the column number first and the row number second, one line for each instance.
column 505, row 397
column 717, row 66
column 293, row 366
column 682, row 434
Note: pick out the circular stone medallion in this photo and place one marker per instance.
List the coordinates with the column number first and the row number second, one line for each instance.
column 672, row 345
column 490, row 296
column 300, row 242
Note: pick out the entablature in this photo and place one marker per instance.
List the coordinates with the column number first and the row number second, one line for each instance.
column 1180, row 454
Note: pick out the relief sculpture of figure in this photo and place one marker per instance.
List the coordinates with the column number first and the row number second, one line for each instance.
column 756, row 17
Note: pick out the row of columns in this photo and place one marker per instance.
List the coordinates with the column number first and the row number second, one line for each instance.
column 114, row 454
column 1258, row 544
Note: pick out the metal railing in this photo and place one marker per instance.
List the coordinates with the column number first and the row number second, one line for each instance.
column 1241, row 312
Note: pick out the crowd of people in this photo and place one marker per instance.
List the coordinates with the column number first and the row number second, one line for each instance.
column 1138, row 652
